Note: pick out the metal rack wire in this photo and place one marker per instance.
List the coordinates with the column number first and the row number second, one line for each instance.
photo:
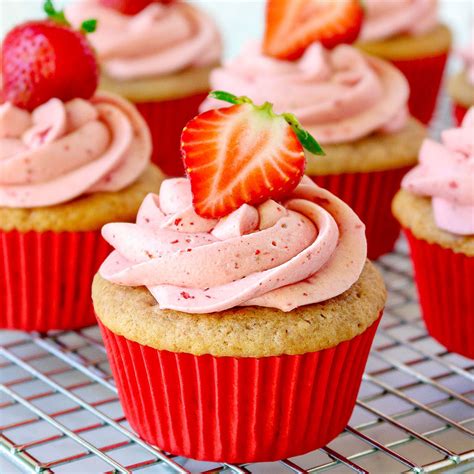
column 59, row 409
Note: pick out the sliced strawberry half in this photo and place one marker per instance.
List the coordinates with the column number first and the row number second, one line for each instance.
column 292, row 25
column 242, row 154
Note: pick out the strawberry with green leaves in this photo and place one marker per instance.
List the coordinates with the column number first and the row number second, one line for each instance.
column 243, row 154
column 46, row 59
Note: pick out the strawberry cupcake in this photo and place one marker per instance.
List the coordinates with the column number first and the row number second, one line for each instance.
column 461, row 86
column 71, row 160
column 242, row 297
column 158, row 55
column 436, row 210
column 409, row 35
column 356, row 105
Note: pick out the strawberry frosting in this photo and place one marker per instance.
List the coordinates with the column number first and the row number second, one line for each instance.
column 446, row 174
column 159, row 40
column 61, row 151
column 387, row 18
column 467, row 54
column 307, row 249
column 339, row 95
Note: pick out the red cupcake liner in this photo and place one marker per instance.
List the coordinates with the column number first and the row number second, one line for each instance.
column 459, row 111
column 370, row 195
column 445, row 282
column 235, row 409
column 46, row 278
column 166, row 120
column 424, row 76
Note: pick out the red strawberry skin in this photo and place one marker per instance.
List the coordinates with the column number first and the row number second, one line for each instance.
column 240, row 154
column 42, row 60
column 130, row 7
column 292, row 25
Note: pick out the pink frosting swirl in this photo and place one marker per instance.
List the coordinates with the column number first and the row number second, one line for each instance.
column 339, row 95
column 387, row 18
column 446, row 173
column 159, row 40
column 467, row 54
column 308, row 249
column 63, row 150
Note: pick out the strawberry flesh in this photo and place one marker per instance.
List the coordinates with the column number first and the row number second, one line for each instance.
column 292, row 25
column 130, row 7
column 240, row 154
column 42, row 60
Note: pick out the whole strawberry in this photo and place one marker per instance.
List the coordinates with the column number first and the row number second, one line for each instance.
column 130, row 7
column 46, row 59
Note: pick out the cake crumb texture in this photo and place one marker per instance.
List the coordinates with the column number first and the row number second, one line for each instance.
column 461, row 90
column 416, row 213
column 405, row 47
column 376, row 152
column 150, row 89
column 244, row 331
column 88, row 212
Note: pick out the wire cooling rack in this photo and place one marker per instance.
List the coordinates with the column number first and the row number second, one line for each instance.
column 59, row 409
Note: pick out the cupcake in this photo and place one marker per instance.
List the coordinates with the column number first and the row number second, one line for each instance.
column 158, row 55
column 461, row 86
column 356, row 105
column 71, row 161
column 409, row 35
column 239, row 300
column 436, row 210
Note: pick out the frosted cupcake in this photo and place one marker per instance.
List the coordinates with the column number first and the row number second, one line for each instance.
column 68, row 166
column 461, row 86
column 158, row 55
column 409, row 35
column 239, row 299
column 436, row 210
column 356, row 106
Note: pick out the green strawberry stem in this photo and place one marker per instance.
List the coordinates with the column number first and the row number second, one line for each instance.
column 89, row 26
column 55, row 15
column 305, row 138
column 228, row 97
column 58, row 16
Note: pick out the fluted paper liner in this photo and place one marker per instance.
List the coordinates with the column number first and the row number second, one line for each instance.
column 424, row 75
column 445, row 283
column 370, row 196
column 166, row 120
column 231, row 409
column 459, row 111
column 46, row 279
